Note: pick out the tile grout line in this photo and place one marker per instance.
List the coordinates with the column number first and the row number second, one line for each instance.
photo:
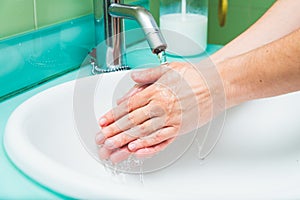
column 35, row 14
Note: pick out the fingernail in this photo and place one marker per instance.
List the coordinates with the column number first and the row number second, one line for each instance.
column 109, row 144
column 100, row 138
column 102, row 121
column 131, row 146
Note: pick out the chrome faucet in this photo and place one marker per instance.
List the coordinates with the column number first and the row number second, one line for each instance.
column 109, row 14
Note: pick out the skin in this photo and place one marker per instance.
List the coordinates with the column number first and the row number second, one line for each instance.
column 267, row 71
column 254, row 65
column 168, row 106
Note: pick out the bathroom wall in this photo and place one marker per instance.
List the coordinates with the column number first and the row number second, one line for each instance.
column 19, row 16
column 59, row 36
column 241, row 14
column 42, row 55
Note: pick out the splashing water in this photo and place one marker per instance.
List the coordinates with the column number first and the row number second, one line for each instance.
column 141, row 172
column 183, row 8
column 120, row 170
column 162, row 57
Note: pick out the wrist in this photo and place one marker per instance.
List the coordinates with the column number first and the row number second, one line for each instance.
column 233, row 81
column 209, row 88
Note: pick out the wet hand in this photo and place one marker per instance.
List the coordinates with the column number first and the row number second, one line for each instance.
column 165, row 103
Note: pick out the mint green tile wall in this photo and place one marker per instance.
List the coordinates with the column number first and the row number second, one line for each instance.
column 241, row 14
column 16, row 16
column 19, row 16
column 53, row 11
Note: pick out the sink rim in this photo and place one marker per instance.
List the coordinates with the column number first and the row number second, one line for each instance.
column 68, row 175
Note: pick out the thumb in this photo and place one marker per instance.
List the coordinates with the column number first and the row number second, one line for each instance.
column 148, row 76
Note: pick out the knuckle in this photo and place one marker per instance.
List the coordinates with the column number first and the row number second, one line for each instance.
column 137, row 132
column 131, row 133
column 155, row 109
column 137, row 96
column 130, row 118
column 159, row 123
column 144, row 142
column 142, row 128
column 129, row 105
column 117, row 127
column 124, row 138
column 107, row 131
column 158, row 137
column 151, row 140
column 146, row 112
column 111, row 116
column 158, row 110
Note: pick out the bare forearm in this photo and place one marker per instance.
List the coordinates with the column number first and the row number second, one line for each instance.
column 270, row 70
column 281, row 19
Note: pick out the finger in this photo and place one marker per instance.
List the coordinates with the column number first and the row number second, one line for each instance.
column 128, row 121
column 104, row 153
column 132, row 120
column 149, row 75
column 151, row 151
column 138, row 131
column 113, row 114
column 136, row 101
column 131, row 92
column 99, row 138
column 157, row 137
column 120, row 155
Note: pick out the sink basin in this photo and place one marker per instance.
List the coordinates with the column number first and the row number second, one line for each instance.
column 50, row 137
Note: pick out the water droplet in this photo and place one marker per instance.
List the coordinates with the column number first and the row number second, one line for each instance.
column 200, row 144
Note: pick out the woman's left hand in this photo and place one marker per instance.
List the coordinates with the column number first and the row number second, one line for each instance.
column 168, row 100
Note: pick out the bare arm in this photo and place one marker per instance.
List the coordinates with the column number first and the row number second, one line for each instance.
column 281, row 19
column 262, row 62
column 270, row 70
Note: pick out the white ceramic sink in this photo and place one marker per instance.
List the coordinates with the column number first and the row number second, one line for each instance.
column 257, row 157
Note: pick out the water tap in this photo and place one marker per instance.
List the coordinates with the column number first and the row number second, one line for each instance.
column 110, row 15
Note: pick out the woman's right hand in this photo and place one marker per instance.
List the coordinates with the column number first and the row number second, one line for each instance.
column 170, row 100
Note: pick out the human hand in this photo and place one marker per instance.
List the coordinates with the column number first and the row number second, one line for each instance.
column 166, row 103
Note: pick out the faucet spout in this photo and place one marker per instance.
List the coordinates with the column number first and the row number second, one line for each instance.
column 110, row 55
column 154, row 36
